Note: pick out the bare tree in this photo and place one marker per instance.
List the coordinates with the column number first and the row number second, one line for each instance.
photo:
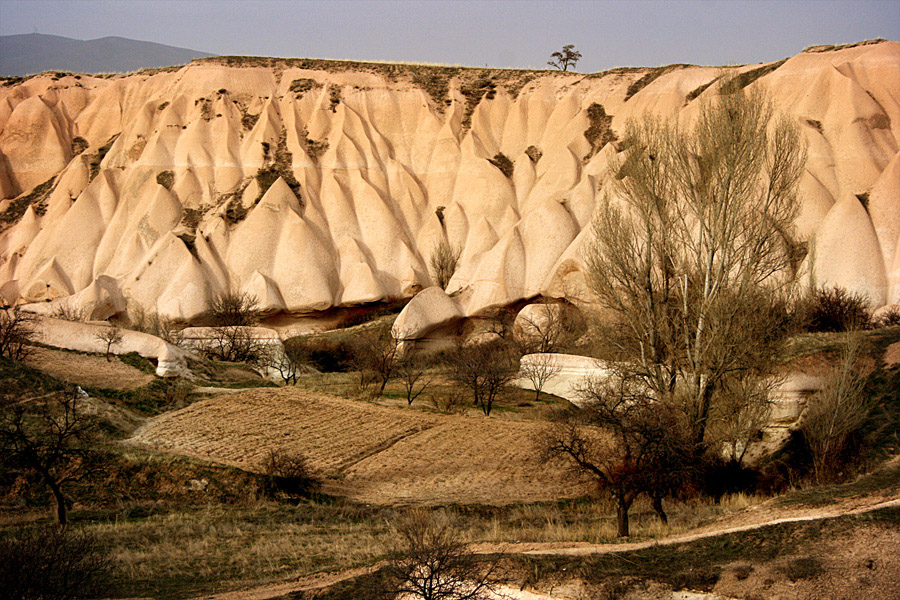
column 111, row 336
column 627, row 442
column 50, row 437
column 17, row 333
column 485, row 370
column 375, row 354
column 538, row 369
column 837, row 413
column 431, row 561
column 232, row 338
column 412, row 371
column 693, row 253
column 544, row 327
column 565, row 58
column 234, row 309
column 288, row 359
column 443, row 261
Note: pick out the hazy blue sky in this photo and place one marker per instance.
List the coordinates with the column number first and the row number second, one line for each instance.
column 497, row 33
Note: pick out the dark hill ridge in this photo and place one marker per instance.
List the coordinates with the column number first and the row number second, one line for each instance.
column 36, row 52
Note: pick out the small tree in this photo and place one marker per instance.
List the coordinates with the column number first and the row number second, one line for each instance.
column 837, row 413
column 111, row 336
column 485, row 370
column 52, row 438
column 627, row 442
column 412, row 373
column 237, row 309
column 565, row 58
column 17, row 333
column 232, row 339
column 431, row 562
column 444, row 259
column 538, row 369
column 544, row 327
column 288, row 361
column 375, row 355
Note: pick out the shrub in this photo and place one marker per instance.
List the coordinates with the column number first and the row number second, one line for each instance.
column 533, row 153
column 833, row 309
column 599, row 131
column 443, row 261
column 17, row 333
column 166, row 179
column 502, row 162
column 805, row 567
column 888, row 318
column 240, row 309
column 53, row 563
column 79, row 145
column 287, row 473
column 301, row 86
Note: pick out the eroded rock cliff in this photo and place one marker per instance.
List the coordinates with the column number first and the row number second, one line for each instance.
column 312, row 184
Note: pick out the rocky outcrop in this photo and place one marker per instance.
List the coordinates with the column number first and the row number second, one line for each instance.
column 313, row 185
column 170, row 360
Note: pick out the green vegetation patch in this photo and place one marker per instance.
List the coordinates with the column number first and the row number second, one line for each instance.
column 599, row 131
column 133, row 359
column 502, row 162
column 832, row 48
column 301, row 86
column 280, row 167
column 101, row 153
column 36, row 198
column 79, row 145
column 166, row 179
column 739, row 82
column 695, row 93
column 649, row 77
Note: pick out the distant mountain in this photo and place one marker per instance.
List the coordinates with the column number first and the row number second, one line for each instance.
column 35, row 52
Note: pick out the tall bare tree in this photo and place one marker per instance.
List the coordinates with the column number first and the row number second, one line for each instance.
column 693, row 252
column 48, row 436
column 627, row 442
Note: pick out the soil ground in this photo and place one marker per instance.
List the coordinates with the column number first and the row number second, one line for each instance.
column 88, row 369
column 369, row 453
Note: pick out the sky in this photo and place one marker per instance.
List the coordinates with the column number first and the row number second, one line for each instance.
column 498, row 33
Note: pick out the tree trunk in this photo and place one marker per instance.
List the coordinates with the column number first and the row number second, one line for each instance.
column 60, row 502
column 658, row 509
column 622, row 507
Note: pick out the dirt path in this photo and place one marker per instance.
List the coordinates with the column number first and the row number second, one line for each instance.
column 324, row 580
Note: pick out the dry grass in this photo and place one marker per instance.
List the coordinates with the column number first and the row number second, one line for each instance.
column 369, row 453
column 88, row 370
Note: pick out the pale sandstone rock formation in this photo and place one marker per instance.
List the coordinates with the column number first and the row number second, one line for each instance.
column 219, row 177
column 83, row 337
column 428, row 311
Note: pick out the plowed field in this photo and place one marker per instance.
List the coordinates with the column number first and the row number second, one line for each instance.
column 370, row 453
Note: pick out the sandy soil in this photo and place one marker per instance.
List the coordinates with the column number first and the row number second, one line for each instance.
column 88, row 370
column 370, row 453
